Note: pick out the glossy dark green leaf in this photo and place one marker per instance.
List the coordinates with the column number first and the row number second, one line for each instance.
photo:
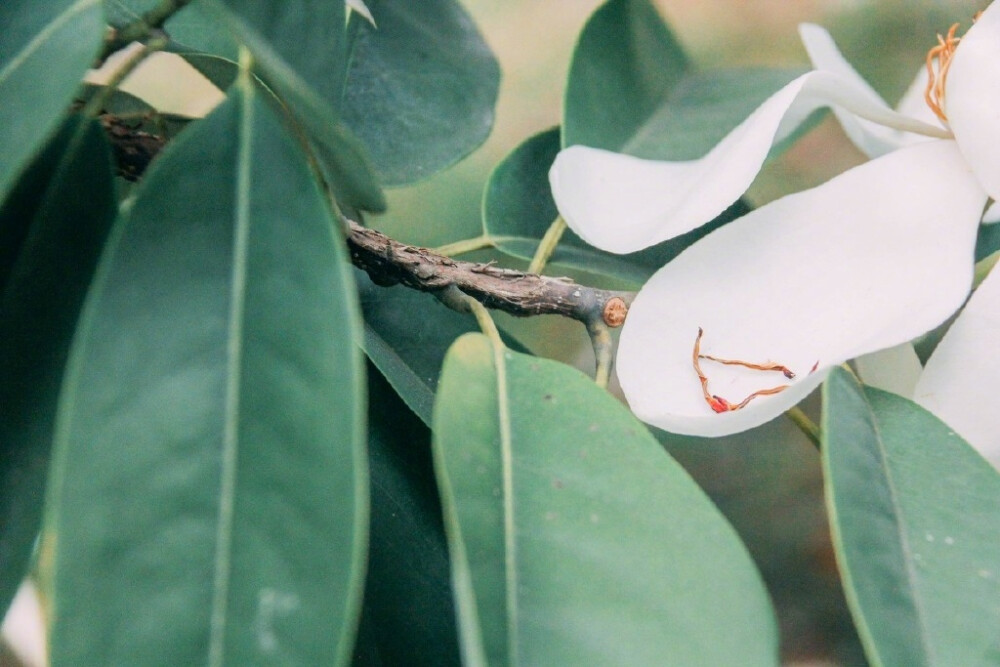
column 304, row 71
column 988, row 240
column 625, row 63
column 308, row 36
column 408, row 617
column 408, row 349
column 518, row 209
column 575, row 539
column 52, row 229
column 631, row 89
column 915, row 513
column 299, row 52
column 421, row 87
column 209, row 493
column 45, row 50
column 198, row 37
column 190, row 29
column 407, row 334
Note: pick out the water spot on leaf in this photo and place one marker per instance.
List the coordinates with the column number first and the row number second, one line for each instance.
column 272, row 605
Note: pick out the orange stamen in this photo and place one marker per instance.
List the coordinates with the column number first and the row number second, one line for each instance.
column 936, row 79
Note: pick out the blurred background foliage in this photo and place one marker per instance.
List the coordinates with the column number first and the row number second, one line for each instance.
column 767, row 481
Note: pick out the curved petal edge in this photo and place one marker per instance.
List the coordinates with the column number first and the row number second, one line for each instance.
column 964, row 372
column 622, row 203
column 870, row 259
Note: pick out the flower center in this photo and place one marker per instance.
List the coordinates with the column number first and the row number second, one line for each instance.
column 938, row 62
column 719, row 404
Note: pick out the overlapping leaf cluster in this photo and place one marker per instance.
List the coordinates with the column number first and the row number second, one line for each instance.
column 197, row 465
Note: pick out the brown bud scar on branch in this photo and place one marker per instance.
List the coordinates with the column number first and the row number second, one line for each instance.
column 615, row 310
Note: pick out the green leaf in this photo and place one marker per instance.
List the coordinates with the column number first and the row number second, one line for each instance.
column 987, row 241
column 625, row 63
column 409, row 350
column 341, row 155
column 575, row 539
column 190, row 29
column 45, row 51
column 194, row 35
column 632, row 90
column 518, row 209
column 208, row 501
column 421, row 87
column 408, row 616
column 307, row 35
column 915, row 513
column 52, row 229
column 299, row 52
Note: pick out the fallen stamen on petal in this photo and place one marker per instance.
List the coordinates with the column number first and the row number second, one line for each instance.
column 785, row 370
column 720, row 404
column 943, row 53
column 713, row 401
column 762, row 392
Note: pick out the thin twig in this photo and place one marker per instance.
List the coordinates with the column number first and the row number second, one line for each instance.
column 547, row 245
column 95, row 105
column 806, row 425
column 389, row 262
column 483, row 319
column 600, row 338
column 465, row 245
column 139, row 29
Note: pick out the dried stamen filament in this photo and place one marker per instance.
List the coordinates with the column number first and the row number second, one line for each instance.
column 719, row 404
column 785, row 370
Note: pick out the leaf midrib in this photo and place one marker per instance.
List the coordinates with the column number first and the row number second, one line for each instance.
column 507, row 474
column 230, row 440
column 903, row 533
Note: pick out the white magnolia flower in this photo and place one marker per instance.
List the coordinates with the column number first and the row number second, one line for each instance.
column 872, row 258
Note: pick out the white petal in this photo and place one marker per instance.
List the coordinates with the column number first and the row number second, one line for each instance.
column 360, row 7
column 623, row 204
column 962, row 378
column 972, row 98
column 872, row 139
column 874, row 257
column 894, row 369
column 992, row 214
column 23, row 628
